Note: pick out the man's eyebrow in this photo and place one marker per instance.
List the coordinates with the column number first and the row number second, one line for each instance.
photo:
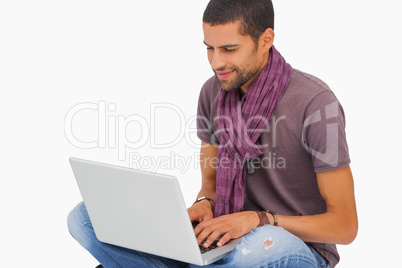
column 224, row 46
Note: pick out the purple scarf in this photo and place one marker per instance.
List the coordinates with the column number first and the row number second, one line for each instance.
column 240, row 124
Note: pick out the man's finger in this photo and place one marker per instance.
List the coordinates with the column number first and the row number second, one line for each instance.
column 212, row 237
column 201, row 237
column 224, row 239
column 203, row 231
column 191, row 214
column 198, row 229
column 207, row 217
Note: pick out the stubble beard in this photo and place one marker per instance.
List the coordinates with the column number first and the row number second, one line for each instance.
column 240, row 78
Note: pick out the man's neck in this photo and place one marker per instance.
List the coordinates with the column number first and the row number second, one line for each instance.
column 244, row 88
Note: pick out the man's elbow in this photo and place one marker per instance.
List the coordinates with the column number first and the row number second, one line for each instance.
column 349, row 233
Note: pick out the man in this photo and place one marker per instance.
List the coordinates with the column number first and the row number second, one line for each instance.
column 275, row 163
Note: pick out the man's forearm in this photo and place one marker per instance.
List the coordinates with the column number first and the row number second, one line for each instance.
column 207, row 190
column 329, row 227
column 208, row 157
column 339, row 224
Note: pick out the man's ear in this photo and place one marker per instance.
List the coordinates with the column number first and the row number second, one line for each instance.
column 267, row 38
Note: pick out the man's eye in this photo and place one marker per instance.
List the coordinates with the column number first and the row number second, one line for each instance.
column 230, row 49
column 210, row 48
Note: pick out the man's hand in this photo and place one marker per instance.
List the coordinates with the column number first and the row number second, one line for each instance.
column 228, row 226
column 201, row 211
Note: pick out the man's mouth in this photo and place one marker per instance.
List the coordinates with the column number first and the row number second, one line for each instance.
column 222, row 75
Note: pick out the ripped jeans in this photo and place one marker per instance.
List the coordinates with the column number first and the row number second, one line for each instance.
column 266, row 246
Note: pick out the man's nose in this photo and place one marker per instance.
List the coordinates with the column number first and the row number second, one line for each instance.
column 217, row 61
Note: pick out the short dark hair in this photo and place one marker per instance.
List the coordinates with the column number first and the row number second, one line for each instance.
column 255, row 16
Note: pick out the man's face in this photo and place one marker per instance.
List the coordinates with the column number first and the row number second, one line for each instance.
column 234, row 58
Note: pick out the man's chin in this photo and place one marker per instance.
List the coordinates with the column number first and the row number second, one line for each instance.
column 226, row 86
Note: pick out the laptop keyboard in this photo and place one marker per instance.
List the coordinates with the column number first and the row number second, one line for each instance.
column 211, row 247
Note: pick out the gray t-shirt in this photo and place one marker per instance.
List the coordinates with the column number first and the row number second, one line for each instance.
column 305, row 135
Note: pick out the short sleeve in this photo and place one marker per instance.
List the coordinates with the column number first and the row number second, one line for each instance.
column 205, row 130
column 324, row 135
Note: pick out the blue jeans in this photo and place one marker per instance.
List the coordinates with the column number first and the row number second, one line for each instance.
column 266, row 246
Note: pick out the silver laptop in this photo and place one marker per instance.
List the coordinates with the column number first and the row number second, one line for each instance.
column 142, row 211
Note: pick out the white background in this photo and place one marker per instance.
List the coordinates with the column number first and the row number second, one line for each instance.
column 55, row 55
